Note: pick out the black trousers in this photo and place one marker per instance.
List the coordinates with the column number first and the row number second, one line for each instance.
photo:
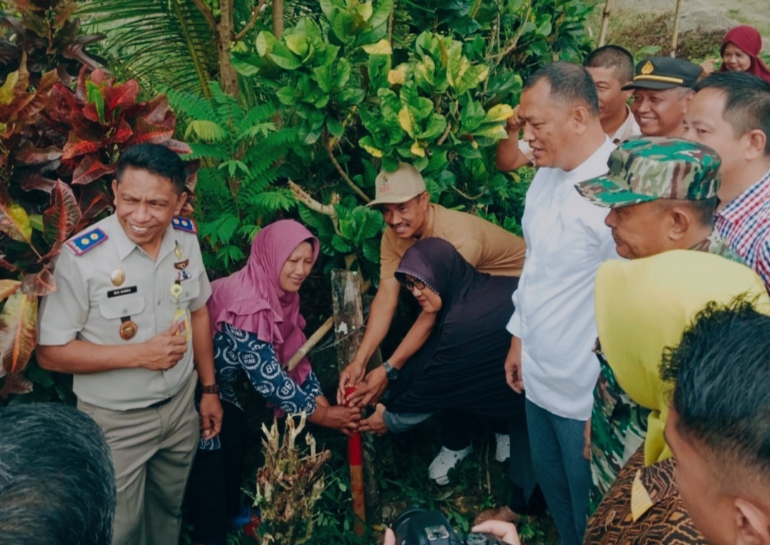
column 214, row 487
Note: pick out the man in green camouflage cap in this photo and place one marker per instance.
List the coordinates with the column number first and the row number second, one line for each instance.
column 662, row 193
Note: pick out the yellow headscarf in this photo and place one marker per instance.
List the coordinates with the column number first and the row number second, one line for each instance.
column 644, row 306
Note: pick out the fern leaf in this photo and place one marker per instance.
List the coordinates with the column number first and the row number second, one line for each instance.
column 208, row 131
column 227, row 108
column 190, row 105
column 208, row 151
column 255, row 116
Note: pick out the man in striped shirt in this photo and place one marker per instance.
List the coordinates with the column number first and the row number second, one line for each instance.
column 731, row 113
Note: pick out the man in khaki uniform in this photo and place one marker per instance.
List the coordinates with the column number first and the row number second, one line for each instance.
column 129, row 321
column 404, row 202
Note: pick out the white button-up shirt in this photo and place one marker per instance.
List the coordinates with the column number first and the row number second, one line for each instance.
column 567, row 240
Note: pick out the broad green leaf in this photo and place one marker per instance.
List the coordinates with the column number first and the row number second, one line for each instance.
column 500, row 112
column 435, row 127
column 208, row 131
column 381, row 13
column 417, row 149
column 341, row 245
column 246, row 64
column 284, row 58
column 14, row 220
column 397, row 76
column 266, row 41
column 308, row 27
column 365, row 10
column 335, row 127
column 371, row 249
column 297, row 43
column 382, row 47
column 323, row 76
column 406, row 121
column 287, row 96
column 96, row 98
column 544, row 30
column 6, row 91
column 18, row 331
column 368, row 144
column 343, row 73
column 496, row 131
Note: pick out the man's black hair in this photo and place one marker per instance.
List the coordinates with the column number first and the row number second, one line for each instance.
column 614, row 57
column 747, row 101
column 57, row 482
column 721, row 371
column 155, row 159
column 569, row 83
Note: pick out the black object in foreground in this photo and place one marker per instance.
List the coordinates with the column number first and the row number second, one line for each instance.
column 424, row 527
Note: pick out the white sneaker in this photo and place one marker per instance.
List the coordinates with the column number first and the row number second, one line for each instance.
column 502, row 447
column 446, row 460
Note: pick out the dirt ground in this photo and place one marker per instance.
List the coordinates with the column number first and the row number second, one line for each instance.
column 706, row 15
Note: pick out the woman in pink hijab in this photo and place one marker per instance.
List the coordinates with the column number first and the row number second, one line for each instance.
column 740, row 53
column 257, row 329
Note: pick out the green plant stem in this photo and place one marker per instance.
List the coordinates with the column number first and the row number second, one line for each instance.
column 344, row 174
column 511, row 46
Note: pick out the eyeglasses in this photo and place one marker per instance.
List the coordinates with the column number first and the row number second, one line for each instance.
column 413, row 284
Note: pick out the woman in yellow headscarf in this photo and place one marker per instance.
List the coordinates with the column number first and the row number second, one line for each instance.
column 642, row 307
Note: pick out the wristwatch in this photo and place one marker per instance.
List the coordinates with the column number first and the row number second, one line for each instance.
column 210, row 389
column 390, row 371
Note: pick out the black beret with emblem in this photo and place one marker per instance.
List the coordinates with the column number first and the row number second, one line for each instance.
column 659, row 73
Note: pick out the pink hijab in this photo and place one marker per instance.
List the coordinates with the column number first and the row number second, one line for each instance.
column 748, row 40
column 252, row 299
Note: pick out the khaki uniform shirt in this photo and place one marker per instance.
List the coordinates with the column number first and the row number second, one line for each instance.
column 488, row 247
column 89, row 306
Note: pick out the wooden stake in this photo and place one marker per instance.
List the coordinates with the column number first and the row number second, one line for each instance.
column 605, row 22
column 348, row 327
column 675, row 37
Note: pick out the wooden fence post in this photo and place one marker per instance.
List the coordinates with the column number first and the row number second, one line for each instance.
column 348, row 330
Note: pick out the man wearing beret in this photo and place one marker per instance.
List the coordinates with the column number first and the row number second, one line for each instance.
column 662, row 195
column 662, row 89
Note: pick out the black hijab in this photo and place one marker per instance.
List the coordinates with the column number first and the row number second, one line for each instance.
column 461, row 364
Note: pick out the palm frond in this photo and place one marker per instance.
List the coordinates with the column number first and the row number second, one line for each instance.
column 159, row 42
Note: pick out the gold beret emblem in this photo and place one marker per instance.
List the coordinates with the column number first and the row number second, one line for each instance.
column 648, row 68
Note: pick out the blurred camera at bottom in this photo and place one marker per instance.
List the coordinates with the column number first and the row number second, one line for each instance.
column 424, row 527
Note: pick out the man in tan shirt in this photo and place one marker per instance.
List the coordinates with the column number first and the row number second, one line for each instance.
column 405, row 204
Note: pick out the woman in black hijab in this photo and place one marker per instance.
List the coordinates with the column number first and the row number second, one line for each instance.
column 460, row 369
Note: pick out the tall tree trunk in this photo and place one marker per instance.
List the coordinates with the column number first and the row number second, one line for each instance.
column 227, row 75
column 278, row 18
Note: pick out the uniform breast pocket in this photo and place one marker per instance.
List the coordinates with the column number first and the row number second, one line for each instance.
column 126, row 305
column 191, row 288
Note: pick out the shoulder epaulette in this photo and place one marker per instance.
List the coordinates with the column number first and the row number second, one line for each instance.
column 184, row 224
column 86, row 241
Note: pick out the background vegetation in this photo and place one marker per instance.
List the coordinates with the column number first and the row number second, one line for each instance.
column 286, row 109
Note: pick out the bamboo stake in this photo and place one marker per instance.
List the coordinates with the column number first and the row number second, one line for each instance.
column 675, row 37
column 310, row 343
column 605, row 22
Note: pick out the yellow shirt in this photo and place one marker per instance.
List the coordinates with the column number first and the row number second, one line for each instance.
column 488, row 247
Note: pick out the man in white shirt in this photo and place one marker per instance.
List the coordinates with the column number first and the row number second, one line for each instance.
column 553, row 326
column 611, row 67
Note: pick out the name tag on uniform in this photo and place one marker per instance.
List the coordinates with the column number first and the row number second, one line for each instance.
column 121, row 291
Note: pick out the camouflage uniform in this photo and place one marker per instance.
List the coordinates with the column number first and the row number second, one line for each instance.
column 641, row 170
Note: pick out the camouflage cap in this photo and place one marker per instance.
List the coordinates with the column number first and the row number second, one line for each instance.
column 651, row 168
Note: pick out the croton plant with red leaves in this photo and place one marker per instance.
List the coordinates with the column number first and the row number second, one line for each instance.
column 59, row 148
